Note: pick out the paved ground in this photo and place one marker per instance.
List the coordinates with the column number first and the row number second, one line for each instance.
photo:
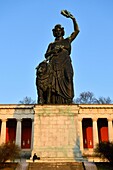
column 23, row 165
column 90, row 166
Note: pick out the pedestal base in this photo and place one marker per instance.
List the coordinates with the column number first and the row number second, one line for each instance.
column 55, row 131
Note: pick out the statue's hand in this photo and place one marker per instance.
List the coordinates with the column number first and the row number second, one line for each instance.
column 67, row 14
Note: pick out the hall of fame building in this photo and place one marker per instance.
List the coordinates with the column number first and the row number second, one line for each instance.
column 57, row 131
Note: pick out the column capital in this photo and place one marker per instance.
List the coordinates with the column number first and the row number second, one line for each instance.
column 110, row 119
column 80, row 119
column 95, row 119
column 32, row 120
column 19, row 120
column 4, row 120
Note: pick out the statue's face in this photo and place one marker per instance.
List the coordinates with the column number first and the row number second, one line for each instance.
column 42, row 69
column 58, row 32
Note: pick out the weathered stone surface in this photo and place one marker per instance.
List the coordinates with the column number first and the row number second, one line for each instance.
column 55, row 131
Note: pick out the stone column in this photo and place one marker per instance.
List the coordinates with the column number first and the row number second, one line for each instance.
column 110, row 129
column 95, row 132
column 32, row 134
column 3, row 131
column 18, row 132
column 80, row 133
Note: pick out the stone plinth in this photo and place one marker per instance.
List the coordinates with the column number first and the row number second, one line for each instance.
column 55, row 130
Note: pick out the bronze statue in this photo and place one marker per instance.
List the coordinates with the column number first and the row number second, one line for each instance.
column 55, row 85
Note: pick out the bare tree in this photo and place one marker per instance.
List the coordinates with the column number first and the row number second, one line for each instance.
column 27, row 100
column 86, row 98
column 103, row 100
column 89, row 98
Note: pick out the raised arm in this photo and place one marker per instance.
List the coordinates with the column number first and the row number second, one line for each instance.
column 76, row 28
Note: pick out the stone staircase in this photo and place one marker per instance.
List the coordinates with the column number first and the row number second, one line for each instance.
column 55, row 166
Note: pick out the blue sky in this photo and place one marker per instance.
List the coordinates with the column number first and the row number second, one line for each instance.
column 26, row 30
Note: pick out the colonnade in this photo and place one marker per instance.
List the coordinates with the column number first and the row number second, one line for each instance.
column 18, row 139
column 95, row 131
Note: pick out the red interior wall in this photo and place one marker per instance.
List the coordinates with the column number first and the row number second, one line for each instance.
column 26, row 134
column 103, row 130
column 87, row 133
column 10, row 134
column 104, row 134
column 11, row 131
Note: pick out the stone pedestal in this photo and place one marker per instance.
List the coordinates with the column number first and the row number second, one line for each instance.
column 55, row 131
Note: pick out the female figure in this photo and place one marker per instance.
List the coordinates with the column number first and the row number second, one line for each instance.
column 58, row 55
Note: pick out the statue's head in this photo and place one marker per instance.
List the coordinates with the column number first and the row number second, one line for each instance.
column 55, row 29
column 42, row 68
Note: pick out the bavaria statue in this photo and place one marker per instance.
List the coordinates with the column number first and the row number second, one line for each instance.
column 54, row 75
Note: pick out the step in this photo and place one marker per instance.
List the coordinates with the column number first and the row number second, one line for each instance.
column 56, row 166
column 48, row 159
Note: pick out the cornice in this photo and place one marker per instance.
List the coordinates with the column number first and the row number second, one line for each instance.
column 16, row 106
column 96, row 106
